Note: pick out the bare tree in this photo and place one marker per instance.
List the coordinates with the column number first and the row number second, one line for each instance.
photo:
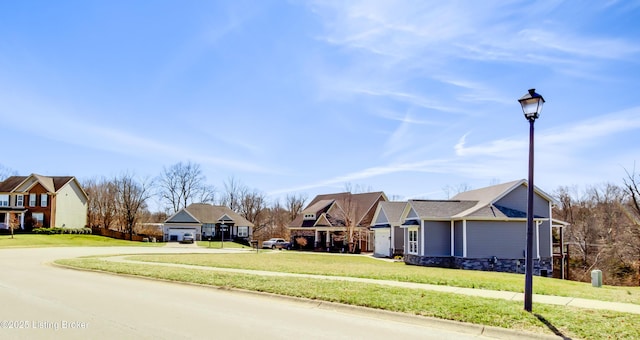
column 183, row 184
column 632, row 210
column 600, row 232
column 451, row 191
column 131, row 197
column 102, row 202
column 632, row 189
column 251, row 205
column 6, row 173
column 233, row 191
column 345, row 213
column 295, row 204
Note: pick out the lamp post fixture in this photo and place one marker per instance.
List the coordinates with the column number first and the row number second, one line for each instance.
column 531, row 106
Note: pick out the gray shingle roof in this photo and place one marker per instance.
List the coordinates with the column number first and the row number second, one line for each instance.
column 207, row 213
column 440, row 208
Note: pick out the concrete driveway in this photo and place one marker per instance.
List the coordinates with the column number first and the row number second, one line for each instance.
column 41, row 301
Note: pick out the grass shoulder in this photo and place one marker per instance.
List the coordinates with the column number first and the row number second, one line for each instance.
column 367, row 267
column 66, row 240
column 570, row 322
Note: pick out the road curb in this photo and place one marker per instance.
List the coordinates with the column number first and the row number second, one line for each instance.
column 444, row 324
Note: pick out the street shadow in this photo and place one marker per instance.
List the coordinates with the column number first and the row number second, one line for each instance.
column 553, row 328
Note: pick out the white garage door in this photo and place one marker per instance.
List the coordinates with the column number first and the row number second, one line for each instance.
column 382, row 241
column 176, row 234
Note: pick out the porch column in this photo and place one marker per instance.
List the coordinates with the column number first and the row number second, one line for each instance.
column 315, row 239
column 22, row 220
column 327, row 239
column 453, row 239
column 422, row 249
column 538, row 239
column 464, row 238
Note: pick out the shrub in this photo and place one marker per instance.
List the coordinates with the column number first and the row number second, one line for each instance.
column 301, row 241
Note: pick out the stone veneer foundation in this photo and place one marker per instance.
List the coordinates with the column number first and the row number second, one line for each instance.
column 540, row 266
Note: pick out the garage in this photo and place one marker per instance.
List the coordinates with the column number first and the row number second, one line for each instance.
column 382, row 241
column 176, row 234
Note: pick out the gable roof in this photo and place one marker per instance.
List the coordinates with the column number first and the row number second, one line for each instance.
column 11, row 183
column 487, row 197
column 362, row 206
column 52, row 184
column 440, row 208
column 207, row 213
column 389, row 213
column 318, row 207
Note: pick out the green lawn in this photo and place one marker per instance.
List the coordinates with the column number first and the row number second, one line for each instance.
column 220, row 245
column 366, row 267
column 570, row 322
column 66, row 240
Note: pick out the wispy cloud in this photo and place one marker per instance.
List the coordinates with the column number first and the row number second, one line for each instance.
column 574, row 136
column 50, row 121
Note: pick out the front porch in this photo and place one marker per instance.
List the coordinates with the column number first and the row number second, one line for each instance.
column 12, row 218
column 334, row 239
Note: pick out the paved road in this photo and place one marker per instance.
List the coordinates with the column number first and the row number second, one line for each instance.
column 41, row 301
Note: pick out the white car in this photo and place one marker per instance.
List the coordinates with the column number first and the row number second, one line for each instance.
column 274, row 243
column 187, row 238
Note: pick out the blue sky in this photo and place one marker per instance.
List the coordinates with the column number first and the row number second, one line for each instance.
column 406, row 97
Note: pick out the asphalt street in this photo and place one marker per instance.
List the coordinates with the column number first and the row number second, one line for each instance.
column 42, row 301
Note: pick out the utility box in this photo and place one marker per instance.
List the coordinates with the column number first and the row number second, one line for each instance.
column 596, row 278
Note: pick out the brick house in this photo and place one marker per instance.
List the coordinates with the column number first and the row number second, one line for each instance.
column 35, row 201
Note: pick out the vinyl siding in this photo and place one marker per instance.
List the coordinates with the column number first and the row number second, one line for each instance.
column 501, row 239
column 70, row 206
column 458, row 239
column 517, row 199
column 437, row 238
column 182, row 217
column 545, row 239
column 398, row 238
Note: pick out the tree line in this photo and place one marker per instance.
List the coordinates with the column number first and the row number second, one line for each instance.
column 603, row 231
column 122, row 202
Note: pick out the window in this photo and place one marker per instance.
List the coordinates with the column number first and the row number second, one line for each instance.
column 309, row 216
column 32, row 200
column 413, row 241
column 43, row 200
column 19, row 201
column 243, row 231
column 38, row 219
column 4, row 200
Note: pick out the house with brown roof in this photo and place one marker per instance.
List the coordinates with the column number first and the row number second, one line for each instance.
column 483, row 229
column 337, row 222
column 206, row 221
column 34, row 201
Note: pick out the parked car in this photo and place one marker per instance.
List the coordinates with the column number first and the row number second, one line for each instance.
column 187, row 238
column 276, row 243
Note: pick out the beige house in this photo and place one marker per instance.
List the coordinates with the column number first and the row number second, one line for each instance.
column 207, row 222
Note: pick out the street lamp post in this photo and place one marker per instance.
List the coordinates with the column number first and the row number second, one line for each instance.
column 531, row 106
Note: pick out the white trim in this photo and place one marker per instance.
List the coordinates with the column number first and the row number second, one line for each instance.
column 538, row 239
column 409, row 242
column 421, row 231
column 551, row 236
column 453, row 239
column 464, row 238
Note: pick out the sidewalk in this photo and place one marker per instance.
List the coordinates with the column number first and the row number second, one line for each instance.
column 545, row 299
